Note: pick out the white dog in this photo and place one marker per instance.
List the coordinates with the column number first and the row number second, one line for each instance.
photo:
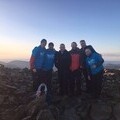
column 42, row 89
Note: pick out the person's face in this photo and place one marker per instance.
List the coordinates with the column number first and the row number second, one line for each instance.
column 88, row 52
column 51, row 47
column 43, row 44
column 62, row 48
column 83, row 44
column 74, row 46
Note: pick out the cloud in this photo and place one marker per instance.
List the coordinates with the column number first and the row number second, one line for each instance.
column 111, row 56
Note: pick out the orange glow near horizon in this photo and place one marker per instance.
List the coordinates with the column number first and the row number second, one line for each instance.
column 16, row 50
column 12, row 50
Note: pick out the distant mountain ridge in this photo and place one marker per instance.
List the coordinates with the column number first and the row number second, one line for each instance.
column 16, row 64
column 25, row 64
column 112, row 62
column 112, row 65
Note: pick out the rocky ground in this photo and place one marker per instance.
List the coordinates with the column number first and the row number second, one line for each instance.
column 18, row 102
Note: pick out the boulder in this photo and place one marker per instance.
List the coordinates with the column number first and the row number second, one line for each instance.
column 83, row 110
column 1, row 99
column 45, row 114
column 116, row 111
column 100, row 111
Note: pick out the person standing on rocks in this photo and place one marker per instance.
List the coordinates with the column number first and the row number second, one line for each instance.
column 62, row 62
column 94, row 63
column 36, row 64
column 83, row 63
column 48, row 66
column 75, row 72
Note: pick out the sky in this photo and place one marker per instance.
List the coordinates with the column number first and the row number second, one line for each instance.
column 23, row 23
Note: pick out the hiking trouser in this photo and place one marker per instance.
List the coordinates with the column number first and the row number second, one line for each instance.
column 96, row 84
column 48, row 79
column 85, row 74
column 63, row 77
column 75, row 82
column 38, row 78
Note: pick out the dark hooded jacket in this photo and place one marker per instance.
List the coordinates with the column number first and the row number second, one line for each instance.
column 62, row 60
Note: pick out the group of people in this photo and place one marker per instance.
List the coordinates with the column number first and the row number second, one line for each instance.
column 71, row 65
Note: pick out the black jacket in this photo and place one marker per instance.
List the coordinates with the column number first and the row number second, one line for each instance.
column 63, row 60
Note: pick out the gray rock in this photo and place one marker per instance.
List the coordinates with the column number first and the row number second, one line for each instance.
column 116, row 111
column 70, row 114
column 83, row 110
column 100, row 111
column 1, row 99
column 45, row 115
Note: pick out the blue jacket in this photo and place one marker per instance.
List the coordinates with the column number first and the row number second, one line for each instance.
column 49, row 59
column 38, row 57
column 94, row 59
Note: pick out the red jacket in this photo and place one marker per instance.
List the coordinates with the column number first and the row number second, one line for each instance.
column 75, row 59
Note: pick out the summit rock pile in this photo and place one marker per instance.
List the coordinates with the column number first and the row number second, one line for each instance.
column 18, row 102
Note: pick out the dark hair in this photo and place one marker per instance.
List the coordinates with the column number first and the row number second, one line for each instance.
column 51, row 44
column 43, row 40
column 82, row 40
column 62, row 44
column 90, row 48
column 74, row 43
